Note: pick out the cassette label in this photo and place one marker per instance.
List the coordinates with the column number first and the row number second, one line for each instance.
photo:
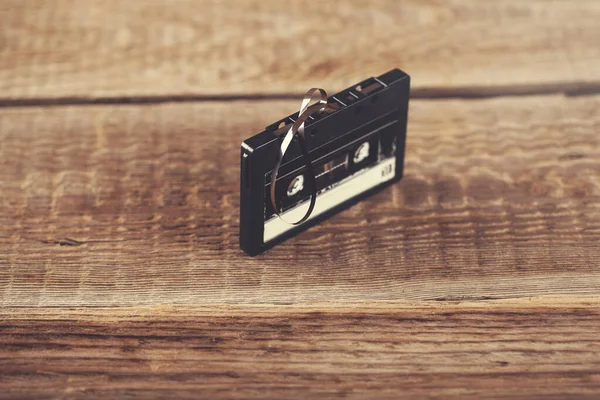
column 346, row 190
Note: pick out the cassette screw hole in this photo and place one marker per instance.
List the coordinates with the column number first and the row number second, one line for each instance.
column 313, row 132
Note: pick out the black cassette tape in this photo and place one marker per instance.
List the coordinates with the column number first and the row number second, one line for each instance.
column 322, row 159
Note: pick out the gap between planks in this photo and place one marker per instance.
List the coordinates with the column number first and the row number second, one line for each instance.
column 427, row 93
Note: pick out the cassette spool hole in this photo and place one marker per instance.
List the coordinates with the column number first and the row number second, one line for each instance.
column 361, row 153
column 295, row 186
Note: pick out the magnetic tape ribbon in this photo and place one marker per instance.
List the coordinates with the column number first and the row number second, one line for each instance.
column 298, row 128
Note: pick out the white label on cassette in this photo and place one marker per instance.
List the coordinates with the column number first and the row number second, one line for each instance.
column 352, row 186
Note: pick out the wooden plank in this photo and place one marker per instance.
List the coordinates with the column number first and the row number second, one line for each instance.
column 133, row 205
column 77, row 48
column 519, row 349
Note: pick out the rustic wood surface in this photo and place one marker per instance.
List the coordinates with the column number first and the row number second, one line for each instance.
column 547, row 350
column 524, row 348
column 113, row 48
column 130, row 205
column 477, row 276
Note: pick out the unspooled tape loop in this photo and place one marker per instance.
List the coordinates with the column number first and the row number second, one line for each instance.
column 298, row 128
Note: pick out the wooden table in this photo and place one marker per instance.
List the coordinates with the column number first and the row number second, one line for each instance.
column 478, row 276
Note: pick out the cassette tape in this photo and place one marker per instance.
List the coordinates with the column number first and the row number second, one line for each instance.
column 322, row 159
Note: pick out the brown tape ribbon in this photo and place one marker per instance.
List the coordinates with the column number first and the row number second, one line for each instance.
column 298, row 128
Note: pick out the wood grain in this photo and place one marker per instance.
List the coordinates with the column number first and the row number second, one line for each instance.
column 138, row 205
column 491, row 350
column 82, row 49
column 120, row 273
